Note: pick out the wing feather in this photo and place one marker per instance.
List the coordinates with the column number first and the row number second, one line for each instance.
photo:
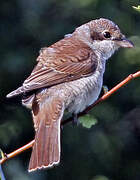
column 64, row 61
column 52, row 75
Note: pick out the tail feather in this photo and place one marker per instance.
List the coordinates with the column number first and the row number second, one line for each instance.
column 46, row 150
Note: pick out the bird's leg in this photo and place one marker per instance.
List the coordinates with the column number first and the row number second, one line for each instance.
column 61, row 127
column 75, row 119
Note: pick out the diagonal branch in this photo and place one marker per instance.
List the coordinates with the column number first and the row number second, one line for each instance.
column 104, row 97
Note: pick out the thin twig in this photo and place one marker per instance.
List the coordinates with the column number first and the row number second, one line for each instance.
column 104, row 97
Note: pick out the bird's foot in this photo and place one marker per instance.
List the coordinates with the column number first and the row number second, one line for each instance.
column 62, row 127
column 75, row 120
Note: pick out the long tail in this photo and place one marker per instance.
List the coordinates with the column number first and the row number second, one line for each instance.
column 46, row 150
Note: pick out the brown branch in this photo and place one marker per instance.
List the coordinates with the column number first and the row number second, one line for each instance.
column 104, row 97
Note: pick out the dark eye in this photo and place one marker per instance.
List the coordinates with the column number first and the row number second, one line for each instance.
column 106, row 34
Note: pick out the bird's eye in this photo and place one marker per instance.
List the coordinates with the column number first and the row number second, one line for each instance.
column 106, row 34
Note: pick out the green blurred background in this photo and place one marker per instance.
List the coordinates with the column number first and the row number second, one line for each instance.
column 108, row 150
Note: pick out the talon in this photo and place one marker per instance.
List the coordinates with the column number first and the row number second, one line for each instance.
column 62, row 127
column 75, row 120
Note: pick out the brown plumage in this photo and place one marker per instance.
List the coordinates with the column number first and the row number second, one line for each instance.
column 47, row 127
column 68, row 75
column 66, row 60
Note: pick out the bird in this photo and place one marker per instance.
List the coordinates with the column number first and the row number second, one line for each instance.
column 68, row 77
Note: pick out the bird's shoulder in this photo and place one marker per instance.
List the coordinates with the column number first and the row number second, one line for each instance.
column 69, row 49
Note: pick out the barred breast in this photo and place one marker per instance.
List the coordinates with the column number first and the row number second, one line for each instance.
column 81, row 93
column 77, row 94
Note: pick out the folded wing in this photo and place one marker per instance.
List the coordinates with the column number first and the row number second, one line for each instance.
column 59, row 67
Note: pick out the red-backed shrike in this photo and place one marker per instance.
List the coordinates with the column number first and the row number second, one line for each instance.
column 68, row 76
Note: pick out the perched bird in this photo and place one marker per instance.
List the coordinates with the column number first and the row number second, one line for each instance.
column 68, row 76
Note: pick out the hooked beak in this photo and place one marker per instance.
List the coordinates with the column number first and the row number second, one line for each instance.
column 123, row 42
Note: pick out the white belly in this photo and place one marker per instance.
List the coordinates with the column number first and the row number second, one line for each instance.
column 78, row 94
column 82, row 93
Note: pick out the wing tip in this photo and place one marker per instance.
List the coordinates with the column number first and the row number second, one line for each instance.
column 16, row 92
column 10, row 95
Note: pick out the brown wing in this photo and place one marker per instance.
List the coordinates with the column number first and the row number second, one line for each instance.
column 65, row 61
column 61, row 67
column 50, row 76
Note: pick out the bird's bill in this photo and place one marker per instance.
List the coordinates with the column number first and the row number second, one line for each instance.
column 125, row 43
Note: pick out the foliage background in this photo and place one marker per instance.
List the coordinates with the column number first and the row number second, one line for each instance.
column 110, row 149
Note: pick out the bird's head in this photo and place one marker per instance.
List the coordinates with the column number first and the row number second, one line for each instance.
column 104, row 36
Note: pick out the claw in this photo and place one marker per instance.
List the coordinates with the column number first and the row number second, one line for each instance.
column 75, row 120
column 62, row 127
